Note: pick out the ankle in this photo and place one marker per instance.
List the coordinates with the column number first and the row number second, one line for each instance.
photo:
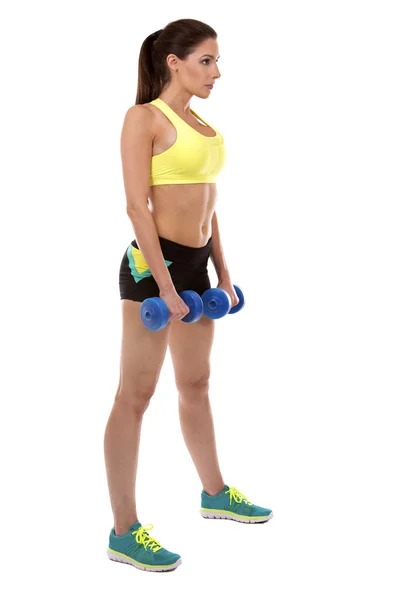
column 123, row 526
column 214, row 491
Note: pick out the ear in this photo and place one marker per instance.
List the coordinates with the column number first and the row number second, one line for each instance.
column 173, row 61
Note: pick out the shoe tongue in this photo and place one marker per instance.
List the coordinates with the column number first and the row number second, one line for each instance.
column 135, row 526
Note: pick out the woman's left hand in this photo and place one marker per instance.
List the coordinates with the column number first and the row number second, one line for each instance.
column 227, row 285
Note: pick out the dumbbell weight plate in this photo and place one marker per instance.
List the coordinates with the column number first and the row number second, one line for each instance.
column 195, row 304
column 216, row 303
column 154, row 313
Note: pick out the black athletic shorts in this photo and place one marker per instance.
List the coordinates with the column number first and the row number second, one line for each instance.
column 186, row 264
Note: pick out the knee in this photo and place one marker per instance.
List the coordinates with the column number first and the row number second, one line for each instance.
column 135, row 397
column 190, row 387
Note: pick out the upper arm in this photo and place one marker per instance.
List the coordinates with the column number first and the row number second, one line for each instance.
column 136, row 150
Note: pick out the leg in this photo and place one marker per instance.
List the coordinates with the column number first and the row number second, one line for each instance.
column 142, row 356
column 190, row 347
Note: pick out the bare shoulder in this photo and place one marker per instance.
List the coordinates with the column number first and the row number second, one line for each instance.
column 139, row 119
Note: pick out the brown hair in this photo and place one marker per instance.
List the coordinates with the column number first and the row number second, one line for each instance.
column 179, row 37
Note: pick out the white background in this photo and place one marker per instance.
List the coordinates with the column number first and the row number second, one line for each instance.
column 305, row 380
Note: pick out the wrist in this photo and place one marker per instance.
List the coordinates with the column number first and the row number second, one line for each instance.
column 166, row 287
column 224, row 277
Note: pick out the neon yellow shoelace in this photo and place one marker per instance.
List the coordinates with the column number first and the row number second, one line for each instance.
column 142, row 537
column 238, row 496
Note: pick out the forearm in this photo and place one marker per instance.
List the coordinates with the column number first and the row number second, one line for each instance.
column 149, row 244
column 217, row 253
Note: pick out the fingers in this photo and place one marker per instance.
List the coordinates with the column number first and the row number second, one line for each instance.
column 234, row 300
column 179, row 311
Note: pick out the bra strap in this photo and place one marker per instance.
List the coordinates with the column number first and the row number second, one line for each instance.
column 176, row 119
column 168, row 112
column 201, row 119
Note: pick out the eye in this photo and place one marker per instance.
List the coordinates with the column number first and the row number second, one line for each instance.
column 207, row 60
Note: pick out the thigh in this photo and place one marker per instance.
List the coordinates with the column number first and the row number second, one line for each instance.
column 190, row 348
column 142, row 354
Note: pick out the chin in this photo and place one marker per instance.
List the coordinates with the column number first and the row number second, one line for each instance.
column 203, row 94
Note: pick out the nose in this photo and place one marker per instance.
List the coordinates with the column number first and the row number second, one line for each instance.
column 217, row 74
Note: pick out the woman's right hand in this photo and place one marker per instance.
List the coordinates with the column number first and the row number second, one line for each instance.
column 176, row 306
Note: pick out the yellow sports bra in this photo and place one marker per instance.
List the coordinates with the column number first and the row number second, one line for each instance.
column 193, row 158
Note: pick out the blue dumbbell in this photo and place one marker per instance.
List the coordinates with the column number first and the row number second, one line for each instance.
column 217, row 302
column 155, row 314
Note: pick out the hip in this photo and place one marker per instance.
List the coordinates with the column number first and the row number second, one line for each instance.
column 187, row 266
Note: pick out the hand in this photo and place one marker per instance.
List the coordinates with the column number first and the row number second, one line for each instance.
column 176, row 306
column 226, row 284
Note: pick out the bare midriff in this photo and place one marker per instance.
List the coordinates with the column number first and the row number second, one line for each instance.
column 181, row 212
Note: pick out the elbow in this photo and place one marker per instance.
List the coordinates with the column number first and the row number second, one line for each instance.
column 136, row 205
column 136, row 211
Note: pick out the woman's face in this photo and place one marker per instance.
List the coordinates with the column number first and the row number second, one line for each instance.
column 200, row 69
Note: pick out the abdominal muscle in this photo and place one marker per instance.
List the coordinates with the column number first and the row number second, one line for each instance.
column 183, row 212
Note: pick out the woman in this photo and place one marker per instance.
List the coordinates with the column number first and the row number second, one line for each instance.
column 170, row 163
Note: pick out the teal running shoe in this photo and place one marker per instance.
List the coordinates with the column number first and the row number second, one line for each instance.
column 137, row 548
column 232, row 504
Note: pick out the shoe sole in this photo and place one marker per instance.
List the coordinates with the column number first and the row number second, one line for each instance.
column 222, row 514
column 123, row 558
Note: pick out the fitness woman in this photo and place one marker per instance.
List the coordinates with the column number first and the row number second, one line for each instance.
column 170, row 158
